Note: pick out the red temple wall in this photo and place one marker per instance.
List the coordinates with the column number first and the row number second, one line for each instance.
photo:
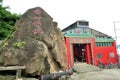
column 104, row 50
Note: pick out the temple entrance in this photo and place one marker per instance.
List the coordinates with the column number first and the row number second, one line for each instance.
column 79, row 51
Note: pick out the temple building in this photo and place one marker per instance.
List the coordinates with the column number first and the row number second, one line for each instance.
column 85, row 44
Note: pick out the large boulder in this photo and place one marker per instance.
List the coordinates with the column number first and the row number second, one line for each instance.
column 37, row 44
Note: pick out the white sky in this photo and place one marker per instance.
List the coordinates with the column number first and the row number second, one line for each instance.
column 100, row 13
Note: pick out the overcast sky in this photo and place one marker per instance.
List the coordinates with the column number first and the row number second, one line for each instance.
column 100, row 13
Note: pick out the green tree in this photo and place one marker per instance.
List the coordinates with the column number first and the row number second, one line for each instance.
column 7, row 21
column 1, row 1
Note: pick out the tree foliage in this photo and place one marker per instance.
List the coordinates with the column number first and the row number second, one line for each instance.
column 7, row 20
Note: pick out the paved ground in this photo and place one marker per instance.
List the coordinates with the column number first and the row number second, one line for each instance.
column 96, row 74
column 106, row 74
column 84, row 71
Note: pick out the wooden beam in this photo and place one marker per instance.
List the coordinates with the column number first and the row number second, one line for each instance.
column 17, row 68
column 12, row 68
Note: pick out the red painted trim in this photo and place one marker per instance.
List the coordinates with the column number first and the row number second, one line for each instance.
column 68, row 52
column 72, row 55
column 88, row 52
column 93, row 52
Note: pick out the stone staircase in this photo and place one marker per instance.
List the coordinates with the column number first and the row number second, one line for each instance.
column 84, row 67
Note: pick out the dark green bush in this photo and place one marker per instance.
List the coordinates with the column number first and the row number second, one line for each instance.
column 7, row 21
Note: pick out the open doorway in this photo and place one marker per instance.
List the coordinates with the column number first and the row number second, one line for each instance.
column 79, row 52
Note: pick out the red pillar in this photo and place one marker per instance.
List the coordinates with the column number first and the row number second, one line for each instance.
column 72, row 55
column 88, row 51
column 115, row 52
column 68, row 52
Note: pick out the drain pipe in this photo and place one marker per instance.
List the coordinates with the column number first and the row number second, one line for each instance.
column 55, row 75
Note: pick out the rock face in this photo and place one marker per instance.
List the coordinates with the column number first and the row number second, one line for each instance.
column 37, row 44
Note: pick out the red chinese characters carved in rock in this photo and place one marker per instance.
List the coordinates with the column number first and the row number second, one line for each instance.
column 37, row 31
column 37, row 23
column 37, row 18
column 37, row 11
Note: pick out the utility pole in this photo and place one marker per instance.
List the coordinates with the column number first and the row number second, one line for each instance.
column 115, row 31
column 117, row 37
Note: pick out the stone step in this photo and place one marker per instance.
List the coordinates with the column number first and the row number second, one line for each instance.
column 83, row 67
